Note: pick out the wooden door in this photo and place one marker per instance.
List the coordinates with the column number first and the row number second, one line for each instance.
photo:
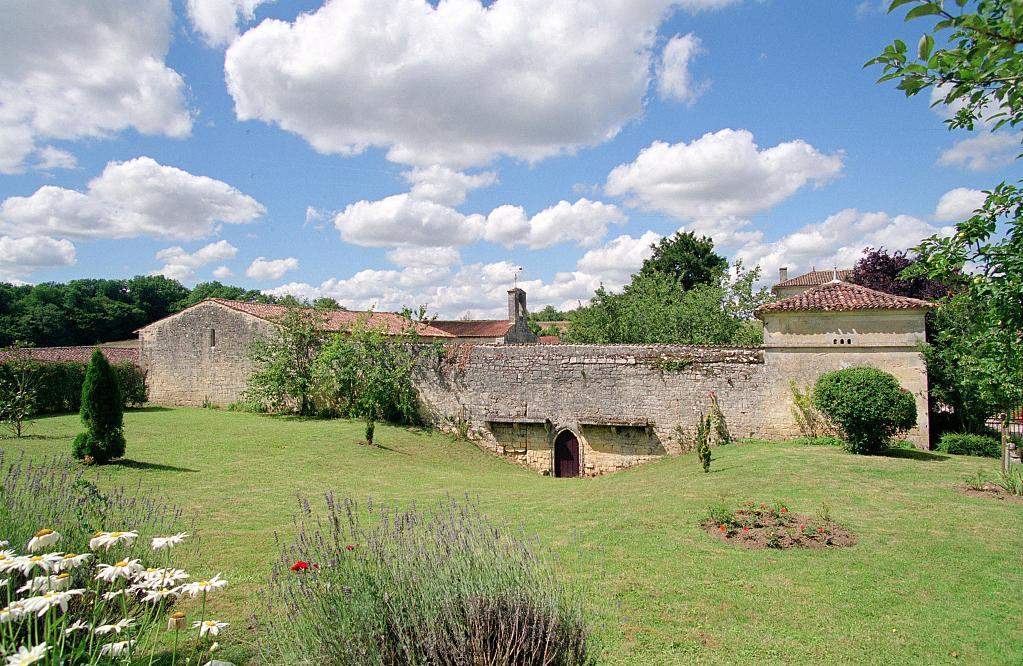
column 566, row 455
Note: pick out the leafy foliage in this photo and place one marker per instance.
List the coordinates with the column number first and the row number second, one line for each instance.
column 417, row 587
column 868, row 404
column 366, row 373
column 282, row 378
column 704, row 427
column 970, row 444
column 654, row 308
column 691, row 261
column 58, row 384
column 17, row 394
column 885, row 271
column 977, row 69
column 102, row 414
column 811, row 423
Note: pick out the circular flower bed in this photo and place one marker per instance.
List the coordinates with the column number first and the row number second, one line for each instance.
column 763, row 526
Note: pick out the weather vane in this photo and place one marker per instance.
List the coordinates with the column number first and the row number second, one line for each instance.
column 515, row 276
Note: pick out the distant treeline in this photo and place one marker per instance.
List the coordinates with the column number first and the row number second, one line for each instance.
column 85, row 312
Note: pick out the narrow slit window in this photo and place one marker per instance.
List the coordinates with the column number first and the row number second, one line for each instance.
column 213, row 338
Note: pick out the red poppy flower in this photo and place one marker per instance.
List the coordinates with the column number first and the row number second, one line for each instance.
column 820, row 530
column 745, row 529
column 784, row 510
column 802, row 527
column 722, row 528
column 299, row 566
column 349, row 547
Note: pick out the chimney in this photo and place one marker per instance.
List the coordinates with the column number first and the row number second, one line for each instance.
column 516, row 305
column 783, row 274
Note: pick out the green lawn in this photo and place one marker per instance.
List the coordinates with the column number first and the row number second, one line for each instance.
column 936, row 577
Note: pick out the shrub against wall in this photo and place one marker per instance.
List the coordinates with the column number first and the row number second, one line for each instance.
column 970, row 444
column 58, row 385
column 868, row 404
column 435, row 587
column 102, row 414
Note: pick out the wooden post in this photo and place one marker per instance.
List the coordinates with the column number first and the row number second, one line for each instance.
column 1006, row 462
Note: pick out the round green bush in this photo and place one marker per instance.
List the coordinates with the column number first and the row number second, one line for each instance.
column 970, row 444
column 868, row 404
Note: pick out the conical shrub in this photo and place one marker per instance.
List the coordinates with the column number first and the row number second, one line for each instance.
column 102, row 414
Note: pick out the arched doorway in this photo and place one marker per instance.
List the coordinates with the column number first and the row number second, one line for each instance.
column 566, row 454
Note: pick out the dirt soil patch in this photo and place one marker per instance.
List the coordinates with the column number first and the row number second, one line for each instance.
column 762, row 526
column 989, row 491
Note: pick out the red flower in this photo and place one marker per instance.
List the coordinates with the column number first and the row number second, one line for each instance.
column 784, row 510
column 802, row 527
column 745, row 529
column 722, row 528
column 299, row 566
column 820, row 530
column 349, row 547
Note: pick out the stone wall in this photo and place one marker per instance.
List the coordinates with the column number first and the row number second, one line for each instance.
column 630, row 403
column 200, row 355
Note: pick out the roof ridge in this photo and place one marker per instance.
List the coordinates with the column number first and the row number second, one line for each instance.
column 842, row 296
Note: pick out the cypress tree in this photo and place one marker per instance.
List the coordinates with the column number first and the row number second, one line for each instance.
column 102, row 414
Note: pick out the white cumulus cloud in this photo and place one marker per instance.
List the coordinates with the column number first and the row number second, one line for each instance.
column 722, row 174
column 21, row 256
column 85, row 69
column 674, row 80
column 958, row 204
column 139, row 197
column 217, row 20
column 456, row 84
column 180, row 264
column 983, row 152
column 401, row 220
column 422, row 257
column 446, row 186
column 584, row 222
column 615, row 262
column 271, row 269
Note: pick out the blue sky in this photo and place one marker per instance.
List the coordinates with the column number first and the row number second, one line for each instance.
column 392, row 152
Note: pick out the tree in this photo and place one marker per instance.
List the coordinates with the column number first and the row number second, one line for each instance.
column 977, row 70
column 282, row 379
column 548, row 313
column 18, row 380
column 367, row 373
column 884, row 271
column 691, row 261
column 102, row 414
column 655, row 309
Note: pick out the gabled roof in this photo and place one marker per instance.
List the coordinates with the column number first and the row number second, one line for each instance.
column 815, row 278
column 475, row 328
column 842, row 297
column 329, row 320
column 71, row 354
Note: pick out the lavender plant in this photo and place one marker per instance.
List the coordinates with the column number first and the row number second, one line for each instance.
column 416, row 587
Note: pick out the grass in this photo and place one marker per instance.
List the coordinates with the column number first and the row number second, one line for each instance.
column 935, row 577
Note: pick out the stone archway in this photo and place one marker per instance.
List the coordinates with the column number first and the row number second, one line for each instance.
column 567, row 462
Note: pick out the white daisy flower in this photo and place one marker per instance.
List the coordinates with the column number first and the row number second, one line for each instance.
column 158, row 595
column 7, row 558
column 78, row 625
column 25, row 656
column 72, row 561
column 109, row 596
column 44, row 602
column 4, row 544
column 12, row 612
column 46, row 562
column 107, row 540
column 154, row 578
column 44, row 538
column 211, row 627
column 116, row 628
column 200, row 586
column 41, row 583
column 116, row 649
column 159, row 543
column 124, row 569
column 4, row 582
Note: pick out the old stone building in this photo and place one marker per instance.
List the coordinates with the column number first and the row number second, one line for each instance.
column 514, row 329
column 568, row 410
column 791, row 286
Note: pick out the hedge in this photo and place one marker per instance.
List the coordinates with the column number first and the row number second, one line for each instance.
column 59, row 385
column 969, row 444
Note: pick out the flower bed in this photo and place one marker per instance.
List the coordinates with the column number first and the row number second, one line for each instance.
column 775, row 526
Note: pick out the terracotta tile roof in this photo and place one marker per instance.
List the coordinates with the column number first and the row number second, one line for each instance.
column 475, row 328
column 842, row 297
column 77, row 354
column 815, row 278
column 549, row 340
column 335, row 320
